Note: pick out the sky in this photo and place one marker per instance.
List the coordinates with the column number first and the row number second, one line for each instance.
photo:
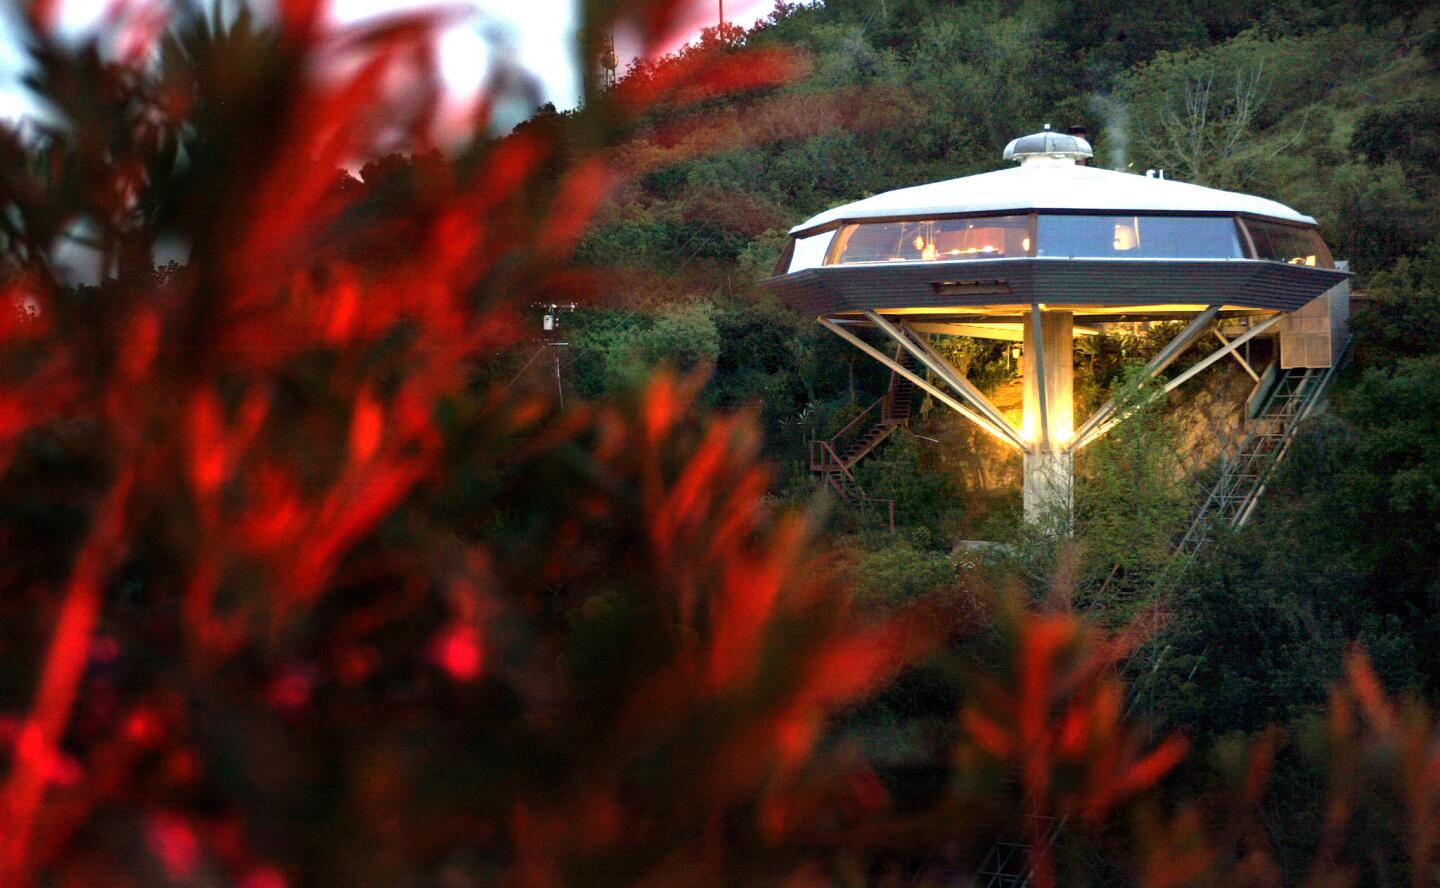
column 540, row 34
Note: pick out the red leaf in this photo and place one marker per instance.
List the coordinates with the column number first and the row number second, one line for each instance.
column 366, row 424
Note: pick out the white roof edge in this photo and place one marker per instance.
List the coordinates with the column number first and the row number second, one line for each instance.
column 1065, row 188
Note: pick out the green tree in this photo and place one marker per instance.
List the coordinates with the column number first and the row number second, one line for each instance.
column 1402, row 317
column 1130, row 504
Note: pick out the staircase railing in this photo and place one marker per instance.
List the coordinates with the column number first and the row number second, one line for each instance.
column 827, row 461
column 833, row 458
column 868, row 429
column 1245, row 475
column 826, row 455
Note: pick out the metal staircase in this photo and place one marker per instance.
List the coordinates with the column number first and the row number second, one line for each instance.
column 1246, row 470
column 834, row 459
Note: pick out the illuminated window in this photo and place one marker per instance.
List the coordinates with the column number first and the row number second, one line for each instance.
column 1138, row 237
column 1127, row 235
column 1059, row 235
column 982, row 237
column 1289, row 243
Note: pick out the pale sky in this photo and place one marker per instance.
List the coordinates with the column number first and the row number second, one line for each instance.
column 541, row 32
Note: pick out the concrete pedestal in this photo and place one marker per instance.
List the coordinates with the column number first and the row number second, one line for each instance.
column 1048, row 485
column 1049, row 352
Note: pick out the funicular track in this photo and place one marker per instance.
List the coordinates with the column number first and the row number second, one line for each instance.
column 1245, row 470
column 1007, row 863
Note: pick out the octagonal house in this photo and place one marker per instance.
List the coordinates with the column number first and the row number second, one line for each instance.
column 1043, row 252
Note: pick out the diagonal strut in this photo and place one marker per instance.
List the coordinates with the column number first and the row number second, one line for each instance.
column 926, row 355
column 939, row 395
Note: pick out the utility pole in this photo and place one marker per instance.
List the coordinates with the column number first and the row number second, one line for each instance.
column 722, row 14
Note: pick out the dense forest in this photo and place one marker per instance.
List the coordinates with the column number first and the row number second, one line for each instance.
column 1333, row 108
column 329, row 562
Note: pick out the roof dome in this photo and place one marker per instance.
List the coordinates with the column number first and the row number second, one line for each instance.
column 1047, row 144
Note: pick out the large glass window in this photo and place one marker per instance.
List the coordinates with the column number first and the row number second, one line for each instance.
column 984, row 237
column 1059, row 235
column 1289, row 243
column 1138, row 237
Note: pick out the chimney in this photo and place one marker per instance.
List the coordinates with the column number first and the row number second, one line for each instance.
column 1081, row 132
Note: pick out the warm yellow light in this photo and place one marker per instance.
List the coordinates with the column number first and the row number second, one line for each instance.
column 919, row 242
column 1126, row 237
column 1025, row 244
column 1029, row 430
column 928, row 252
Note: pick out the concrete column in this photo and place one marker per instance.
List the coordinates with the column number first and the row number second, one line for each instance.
column 1049, row 472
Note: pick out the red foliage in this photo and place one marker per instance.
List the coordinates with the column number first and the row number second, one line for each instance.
column 340, row 606
column 270, row 446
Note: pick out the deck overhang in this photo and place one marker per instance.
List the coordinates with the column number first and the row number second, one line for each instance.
column 1128, row 289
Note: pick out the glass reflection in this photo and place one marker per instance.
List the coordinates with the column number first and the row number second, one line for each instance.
column 984, row 237
column 1138, row 237
column 1289, row 243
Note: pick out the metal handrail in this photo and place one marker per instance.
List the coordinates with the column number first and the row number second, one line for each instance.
column 850, row 426
column 825, row 448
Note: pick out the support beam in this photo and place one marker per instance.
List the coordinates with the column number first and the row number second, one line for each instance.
column 1035, row 363
column 1222, row 352
column 1006, row 332
column 927, row 356
column 946, row 371
column 1156, row 365
column 1238, row 357
column 1048, row 376
column 1189, row 374
column 934, row 392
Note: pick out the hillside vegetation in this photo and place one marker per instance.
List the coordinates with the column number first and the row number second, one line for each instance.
column 1333, row 108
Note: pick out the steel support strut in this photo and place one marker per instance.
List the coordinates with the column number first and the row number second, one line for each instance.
column 1239, row 358
column 926, row 355
column 920, row 383
column 1228, row 348
column 1176, row 347
column 1038, row 340
column 1203, row 363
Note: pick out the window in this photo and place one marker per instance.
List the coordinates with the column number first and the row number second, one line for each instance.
column 981, row 237
column 1138, row 237
column 1059, row 235
column 1289, row 243
column 809, row 252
